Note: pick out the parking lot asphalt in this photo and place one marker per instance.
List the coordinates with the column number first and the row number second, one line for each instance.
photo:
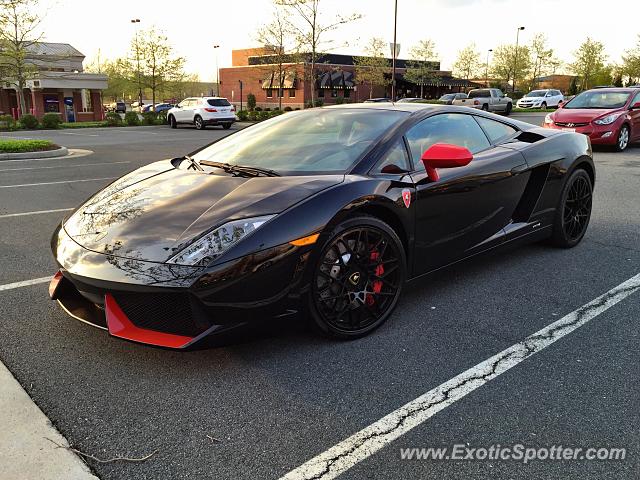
column 261, row 403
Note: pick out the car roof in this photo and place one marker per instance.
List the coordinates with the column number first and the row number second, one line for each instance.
column 614, row 89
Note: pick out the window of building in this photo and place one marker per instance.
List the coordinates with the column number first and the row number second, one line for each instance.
column 269, row 93
column 334, row 93
column 292, row 93
column 321, row 93
column 347, row 93
column 453, row 128
column 51, row 103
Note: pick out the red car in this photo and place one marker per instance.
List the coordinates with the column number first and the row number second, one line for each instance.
column 609, row 116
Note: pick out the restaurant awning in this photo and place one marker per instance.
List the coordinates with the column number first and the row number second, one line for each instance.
column 336, row 80
column 273, row 82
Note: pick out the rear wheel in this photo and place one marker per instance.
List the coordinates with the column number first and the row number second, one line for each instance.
column 485, row 107
column 623, row 139
column 357, row 279
column 574, row 211
column 226, row 126
column 543, row 106
column 198, row 122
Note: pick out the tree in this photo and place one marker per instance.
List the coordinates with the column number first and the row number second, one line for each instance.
column 467, row 65
column 311, row 31
column 19, row 32
column 504, row 67
column 573, row 87
column 374, row 67
column 158, row 66
column 419, row 69
column 589, row 62
column 542, row 56
column 279, row 36
column 631, row 63
column 120, row 82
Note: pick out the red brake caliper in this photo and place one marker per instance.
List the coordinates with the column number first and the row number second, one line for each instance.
column 376, row 284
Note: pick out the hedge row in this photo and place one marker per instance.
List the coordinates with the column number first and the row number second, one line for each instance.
column 30, row 122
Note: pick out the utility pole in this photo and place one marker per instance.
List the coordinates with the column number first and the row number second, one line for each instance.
column 240, row 82
column 515, row 64
column 215, row 49
column 393, row 57
column 486, row 70
column 135, row 22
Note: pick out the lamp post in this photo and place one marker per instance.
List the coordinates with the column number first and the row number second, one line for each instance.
column 486, row 70
column 135, row 22
column 515, row 63
column 215, row 49
column 393, row 56
column 240, row 82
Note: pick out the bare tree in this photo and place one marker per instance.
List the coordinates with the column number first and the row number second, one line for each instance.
column 419, row 69
column 311, row 31
column 373, row 68
column 279, row 37
column 159, row 66
column 19, row 32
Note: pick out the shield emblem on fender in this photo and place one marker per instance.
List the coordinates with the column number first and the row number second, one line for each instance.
column 406, row 197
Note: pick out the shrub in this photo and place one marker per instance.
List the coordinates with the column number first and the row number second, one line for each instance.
column 242, row 115
column 275, row 113
column 23, row 146
column 267, row 109
column 308, row 105
column 288, row 108
column 131, row 119
column 339, row 100
column 51, row 120
column 113, row 119
column 253, row 116
column 319, row 102
column 7, row 122
column 251, row 102
column 257, row 109
column 29, row 121
column 148, row 118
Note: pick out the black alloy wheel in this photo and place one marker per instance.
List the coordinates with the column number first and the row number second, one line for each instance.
column 574, row 212
column 358, row 278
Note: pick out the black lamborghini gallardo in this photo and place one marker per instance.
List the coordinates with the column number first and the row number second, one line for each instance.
column 326, row 211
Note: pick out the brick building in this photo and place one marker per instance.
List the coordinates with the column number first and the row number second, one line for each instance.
column 59, row 85
column 335, row 81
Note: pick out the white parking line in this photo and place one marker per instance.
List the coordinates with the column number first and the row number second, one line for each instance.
column 79, row 134
column 57, row 183
column 38, row 212
column 25, row 283
column 366, row 442
column 61, row 166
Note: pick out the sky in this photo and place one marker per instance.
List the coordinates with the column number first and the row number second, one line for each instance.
column 194, row 26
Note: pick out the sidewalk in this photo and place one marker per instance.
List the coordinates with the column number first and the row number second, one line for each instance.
column 25, row 452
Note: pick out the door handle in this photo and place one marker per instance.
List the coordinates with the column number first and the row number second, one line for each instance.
column 520, row 168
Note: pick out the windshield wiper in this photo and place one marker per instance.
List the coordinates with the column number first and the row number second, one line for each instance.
column 241, row 169
column 193, row 163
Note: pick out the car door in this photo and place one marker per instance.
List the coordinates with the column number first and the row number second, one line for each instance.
column 496, row 100
column 180, row 110
column 466, row 210
column 635, row 119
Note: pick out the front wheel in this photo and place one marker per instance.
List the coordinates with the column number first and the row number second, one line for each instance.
column 623, row 139
column 172, row 121
column 357, row 279
column 574, row 210
column 507, row 110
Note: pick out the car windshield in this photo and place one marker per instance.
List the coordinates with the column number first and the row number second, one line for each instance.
column 448, row 96
column 599, row 99
column 536, row 93
column 316, row 140
column 218, row 102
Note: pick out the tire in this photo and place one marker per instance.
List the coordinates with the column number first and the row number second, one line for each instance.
column 543, row 106
column 172, row 121
column 574, row 210
column 507, row 111
column 357, row 278
column 485, row 107
column 622, row 142
column 226, row 126
column 199, row 123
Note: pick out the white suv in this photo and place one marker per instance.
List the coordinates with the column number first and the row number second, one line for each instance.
column 541, row 99
column 202, row 111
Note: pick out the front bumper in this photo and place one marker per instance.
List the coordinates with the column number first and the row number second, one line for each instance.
column 598, row 134
column 175, row 306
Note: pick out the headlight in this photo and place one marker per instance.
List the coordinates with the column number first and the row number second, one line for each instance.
column 548, row 120
column 216, row 242
column 609, row 119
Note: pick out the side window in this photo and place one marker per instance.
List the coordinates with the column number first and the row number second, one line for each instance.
column 635, row 100
column 453, row 128
column 394, row 161
column 496, row 131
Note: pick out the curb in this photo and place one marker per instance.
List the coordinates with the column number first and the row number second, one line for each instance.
column 60, row 152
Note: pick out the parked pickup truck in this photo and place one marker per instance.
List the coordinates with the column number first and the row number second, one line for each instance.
column 488, row 99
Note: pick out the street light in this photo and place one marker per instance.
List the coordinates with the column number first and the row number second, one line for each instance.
column 135, row 21
column 515, row 63
column 215, row 49
column 486, row 71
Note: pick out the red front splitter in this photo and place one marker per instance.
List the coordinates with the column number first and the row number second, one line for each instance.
column 120, row 326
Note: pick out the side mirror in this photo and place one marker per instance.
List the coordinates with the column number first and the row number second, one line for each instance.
column 560, row 103
column 635, row 106
column 444, row 155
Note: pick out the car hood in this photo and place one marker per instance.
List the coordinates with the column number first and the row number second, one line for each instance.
column 581, row 115
column 157, row 210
